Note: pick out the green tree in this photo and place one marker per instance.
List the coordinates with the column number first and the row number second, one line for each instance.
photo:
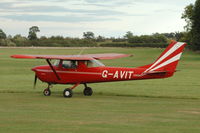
column 170, row 36
column 88, row 35
column 128, row 35
column 2, row 34
column 32, row 32
column 100, row 39
column 195, row 31
column 192, row 18
column 188, row 16
column 20, row 40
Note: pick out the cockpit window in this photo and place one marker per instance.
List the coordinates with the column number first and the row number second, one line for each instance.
column 72, row 64
column 94, row 63
column 56, row 63
column 69, row 64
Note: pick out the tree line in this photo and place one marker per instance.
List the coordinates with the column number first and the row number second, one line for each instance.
column 89, row 40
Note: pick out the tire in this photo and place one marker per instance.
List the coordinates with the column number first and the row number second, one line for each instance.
column 88, row 91
column 67, row 93
column 47, row 92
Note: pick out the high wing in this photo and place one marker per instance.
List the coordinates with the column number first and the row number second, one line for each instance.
column 74, row 57
column 62, row 57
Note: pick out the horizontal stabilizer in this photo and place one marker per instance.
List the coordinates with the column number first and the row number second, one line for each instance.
column 155, row 73
column 158, row 72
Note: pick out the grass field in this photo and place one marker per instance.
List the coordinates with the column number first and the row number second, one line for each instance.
column 149, row 106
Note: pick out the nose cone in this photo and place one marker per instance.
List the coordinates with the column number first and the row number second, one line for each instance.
column 34, row 69
column 40, row 68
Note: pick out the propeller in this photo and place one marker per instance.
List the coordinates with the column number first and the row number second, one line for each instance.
column 35, row 81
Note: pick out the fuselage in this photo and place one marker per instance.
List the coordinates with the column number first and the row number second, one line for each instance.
column 84, row 74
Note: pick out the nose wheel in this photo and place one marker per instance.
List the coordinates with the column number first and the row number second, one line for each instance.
column 47, row 92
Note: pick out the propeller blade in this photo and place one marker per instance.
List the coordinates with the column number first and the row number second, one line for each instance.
column 35, row 81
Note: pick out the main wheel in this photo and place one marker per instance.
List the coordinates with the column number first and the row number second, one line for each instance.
column 67, row 93
column 87, row 91
column 47, row 92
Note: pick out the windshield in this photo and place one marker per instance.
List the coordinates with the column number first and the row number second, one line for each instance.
column 94, row 63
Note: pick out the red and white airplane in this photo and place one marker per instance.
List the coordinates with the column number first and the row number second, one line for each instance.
column 83, row 69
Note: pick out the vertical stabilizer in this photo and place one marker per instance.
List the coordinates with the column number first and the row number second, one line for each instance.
column 168, row 60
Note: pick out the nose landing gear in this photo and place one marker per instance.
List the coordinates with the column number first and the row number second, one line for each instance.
column 47, row 91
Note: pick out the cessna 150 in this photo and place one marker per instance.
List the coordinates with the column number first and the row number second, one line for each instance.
column 83, row 69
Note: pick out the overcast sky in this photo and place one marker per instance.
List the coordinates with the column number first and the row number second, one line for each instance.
column 110, row 18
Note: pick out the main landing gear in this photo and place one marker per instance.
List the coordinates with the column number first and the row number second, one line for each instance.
column 67, row 93
column 87, row 91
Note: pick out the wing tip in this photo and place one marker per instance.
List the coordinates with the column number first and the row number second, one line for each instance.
column 22, row 56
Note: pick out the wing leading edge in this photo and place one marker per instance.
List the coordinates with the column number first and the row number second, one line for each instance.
column 74, row 57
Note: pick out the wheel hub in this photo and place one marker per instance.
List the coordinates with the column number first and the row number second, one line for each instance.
column 67, row 93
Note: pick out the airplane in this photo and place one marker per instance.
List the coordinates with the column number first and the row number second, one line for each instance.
column 84, row 69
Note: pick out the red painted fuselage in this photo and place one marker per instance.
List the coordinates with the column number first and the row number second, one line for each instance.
column 83, row 74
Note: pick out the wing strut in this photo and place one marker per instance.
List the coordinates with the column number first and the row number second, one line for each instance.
column 53, row 69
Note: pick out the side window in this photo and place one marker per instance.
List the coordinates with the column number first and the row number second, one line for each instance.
column 69, row 64
column 89, row 63
column 56, row 63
